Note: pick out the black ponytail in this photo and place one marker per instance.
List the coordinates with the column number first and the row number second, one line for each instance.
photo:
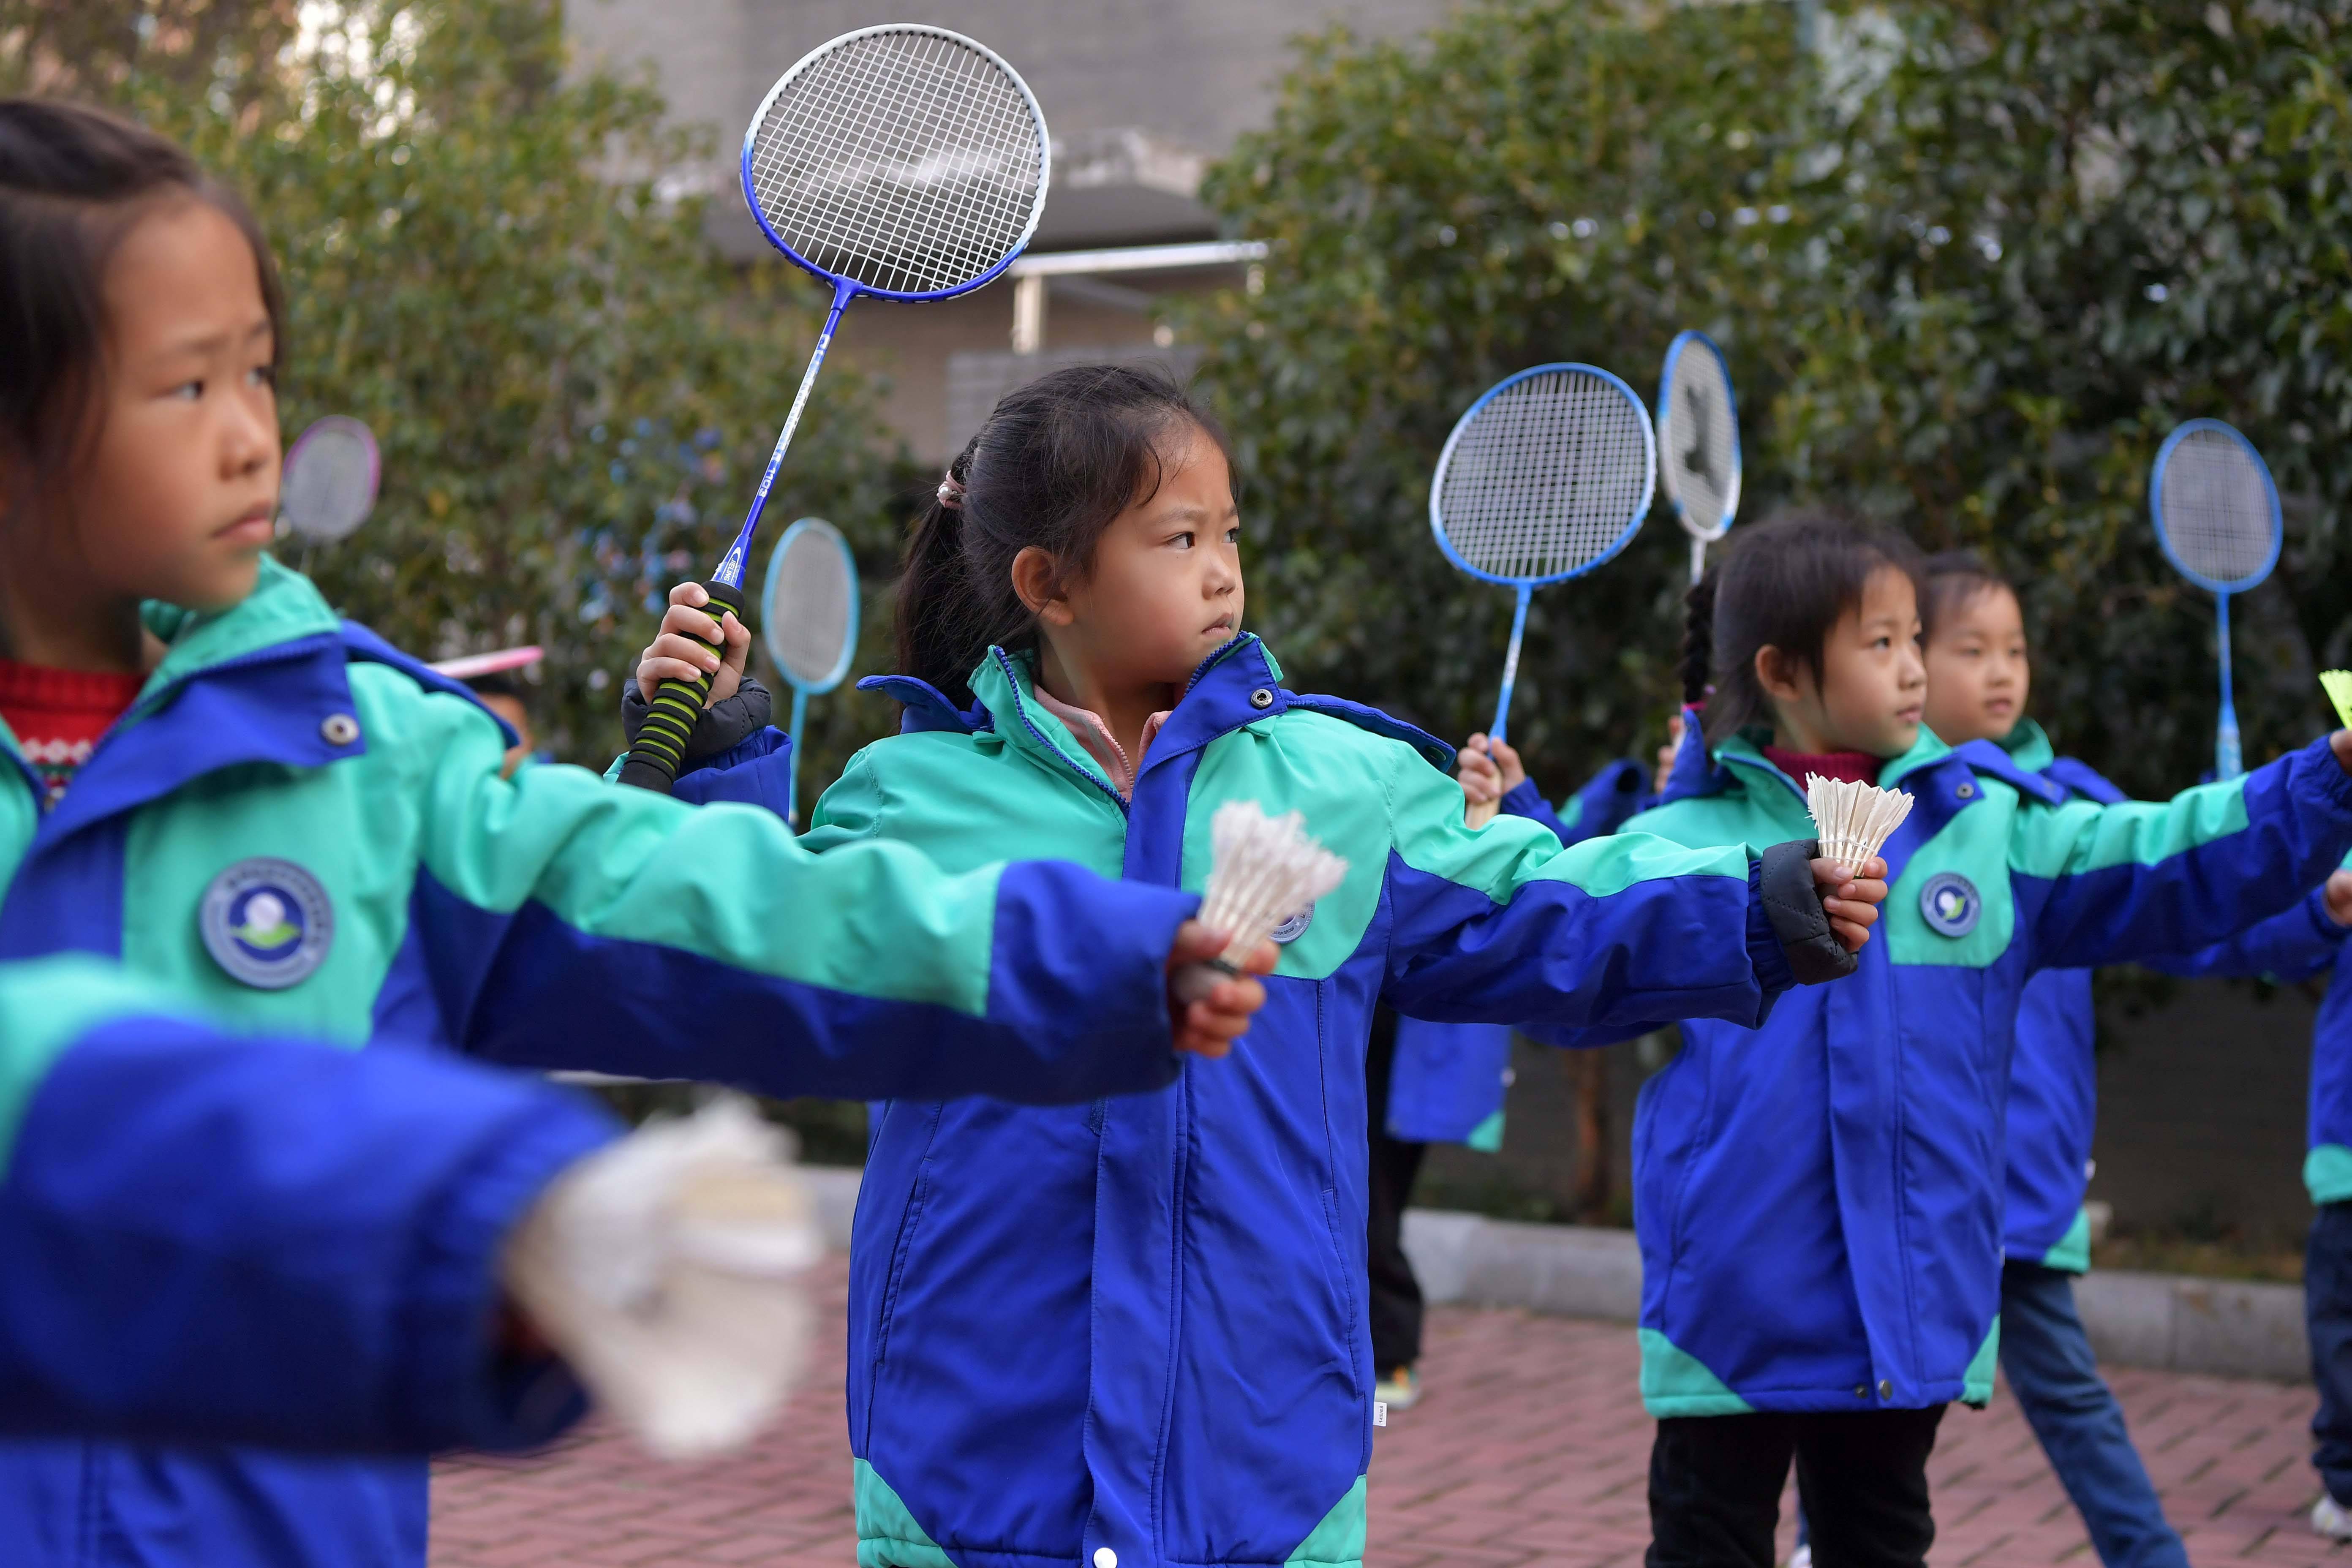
column 1698, row 639
column 1783, row 585
column 1056, row 462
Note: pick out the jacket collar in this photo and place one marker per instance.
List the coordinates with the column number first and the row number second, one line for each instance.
column 1240, row 684
column 2028, row 745
column 257, row 682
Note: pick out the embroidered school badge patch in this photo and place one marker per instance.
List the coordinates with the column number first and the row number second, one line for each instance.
column 1293, row 928
column 1950, row 904
column 266, row 922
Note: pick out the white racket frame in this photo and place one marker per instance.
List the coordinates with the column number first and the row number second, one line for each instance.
column 1701, row 534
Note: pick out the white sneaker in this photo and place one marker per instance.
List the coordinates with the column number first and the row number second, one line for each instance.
column 1802, row 1558
column 2330, row 1519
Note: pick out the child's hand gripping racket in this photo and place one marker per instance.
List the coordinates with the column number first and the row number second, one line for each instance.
column 1545, row 477
column 900, row 161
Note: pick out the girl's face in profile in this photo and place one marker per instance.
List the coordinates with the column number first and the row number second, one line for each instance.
column 173, row 493
column 1872, row 686
column 1165, row 588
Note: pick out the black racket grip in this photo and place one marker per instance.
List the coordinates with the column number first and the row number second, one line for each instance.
column 660, row 750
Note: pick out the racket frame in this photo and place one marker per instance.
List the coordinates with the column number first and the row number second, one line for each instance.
column 2228, row 759
column 342, row 423
column 655, row 765
column 802, row 691
column 1526, row 587
column 1700, row 538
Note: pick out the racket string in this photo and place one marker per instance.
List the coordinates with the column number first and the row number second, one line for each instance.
column 1700, row 438
column 902, row 162
column 1544, row 479
column 810, row 614
column 2216, row 508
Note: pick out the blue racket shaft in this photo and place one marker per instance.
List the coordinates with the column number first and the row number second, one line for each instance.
column 2229, row 762
column 1511, row 663
column 793, row 767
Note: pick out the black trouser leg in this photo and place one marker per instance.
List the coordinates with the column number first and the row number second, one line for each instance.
column 1395, row 1295
column 1714, row 1488
column 2327, row 1311
column 1864, row 1481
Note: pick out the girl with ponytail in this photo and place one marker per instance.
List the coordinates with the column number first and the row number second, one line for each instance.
column 1819, row 1197
column 1133, row 1332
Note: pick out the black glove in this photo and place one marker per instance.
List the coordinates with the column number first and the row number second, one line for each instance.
column 722, row 726
column 1792, row 902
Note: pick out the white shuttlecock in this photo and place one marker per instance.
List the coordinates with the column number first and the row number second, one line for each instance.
column 1852, row 820
column 1263, row 870
column 668, row 1270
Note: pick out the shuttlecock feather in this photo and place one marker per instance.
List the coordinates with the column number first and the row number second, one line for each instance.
column 1853, row 819
column 1263, row 870
column 2338, row 684
column 668, row 1270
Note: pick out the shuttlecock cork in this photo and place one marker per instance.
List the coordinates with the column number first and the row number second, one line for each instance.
column 1852, row 820
column 2338, row 684
column 1263, row 870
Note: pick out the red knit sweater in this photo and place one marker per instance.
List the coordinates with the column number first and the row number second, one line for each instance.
column 58, row 716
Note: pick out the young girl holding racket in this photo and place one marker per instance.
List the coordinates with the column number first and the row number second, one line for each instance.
column 1820, row 1208
column 280, row 817
column 1134, row 1332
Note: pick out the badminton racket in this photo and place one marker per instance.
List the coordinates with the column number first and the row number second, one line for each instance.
column 328, row 485
column 2216, row 519
column 808, row 617
column 1698, row 442
column 1546, row 477
column 900, row 162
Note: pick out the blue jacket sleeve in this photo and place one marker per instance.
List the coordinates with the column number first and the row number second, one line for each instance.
column 2297, row 945
column 212, row 1238
column 1500, row 925
column 2113, row 884
column 1604, row 804
column 569, row 923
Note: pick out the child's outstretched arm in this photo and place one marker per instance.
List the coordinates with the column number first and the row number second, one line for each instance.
column 1501, row 925
column 2113, row 884
column 567, row 923
column 213, row 1238
column 2300, row 944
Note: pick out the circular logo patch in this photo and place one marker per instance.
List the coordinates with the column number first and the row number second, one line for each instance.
column 1293, row 928
column 1950, row 904
column 267, row 922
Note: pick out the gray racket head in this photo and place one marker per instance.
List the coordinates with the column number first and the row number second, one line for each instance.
column 2216, row 510
column 808, row 612
column 1698, row 436
column 905, row 160
column 328, row 486
column 1546, row 477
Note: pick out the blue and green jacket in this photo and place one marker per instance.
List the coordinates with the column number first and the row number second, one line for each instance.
column 1450, row 1080
column 2054, row 1081
column 305, row 833
column 1819, row 1202
column 209, row 1237
column 1135, row 1331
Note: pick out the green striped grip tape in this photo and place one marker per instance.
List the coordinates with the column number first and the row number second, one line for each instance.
column 660, row 749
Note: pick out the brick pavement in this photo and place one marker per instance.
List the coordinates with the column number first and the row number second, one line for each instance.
column 1530, row 1448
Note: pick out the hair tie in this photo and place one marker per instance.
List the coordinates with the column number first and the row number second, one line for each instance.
column 951, row 492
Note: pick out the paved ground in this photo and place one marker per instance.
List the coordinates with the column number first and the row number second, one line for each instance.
column 1530, row 1448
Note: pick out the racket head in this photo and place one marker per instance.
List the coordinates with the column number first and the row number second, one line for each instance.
column 328, row 485
column 903, row 162
column 1547, row 476
column 2215, row 507
column 1698, row 436
column 808, row 610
